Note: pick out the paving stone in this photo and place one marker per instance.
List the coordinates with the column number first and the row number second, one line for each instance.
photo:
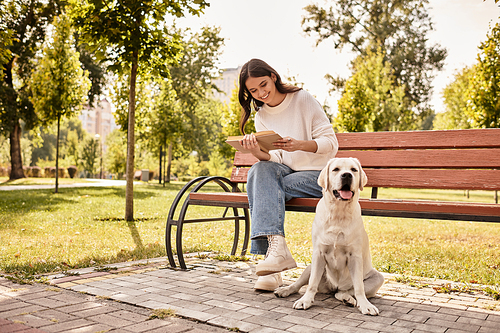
column 233, row 323
column 12, row 327
column 56, row 315
column 419, row 326
column 110, row 320
column 94, row 311
column 128, row 315
column 385, row 328
column 47, row 302
column 69, row 325
column 96, row 328
column 28, row 308
column 304, row 321
column 79, row 307
column 32, row 320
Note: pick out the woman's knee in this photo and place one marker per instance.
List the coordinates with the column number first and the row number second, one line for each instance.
column 263, row 167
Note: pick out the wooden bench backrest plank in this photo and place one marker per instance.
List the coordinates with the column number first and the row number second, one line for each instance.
column 454, row 139
column 456, row 158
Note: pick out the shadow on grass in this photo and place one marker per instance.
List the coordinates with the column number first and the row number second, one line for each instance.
column 30, row 271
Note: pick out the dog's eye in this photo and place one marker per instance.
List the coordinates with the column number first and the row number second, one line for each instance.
column 336, row 169
column 354, row 170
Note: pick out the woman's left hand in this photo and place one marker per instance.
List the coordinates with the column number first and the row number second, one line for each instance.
column 290, row 144
column 287, row 144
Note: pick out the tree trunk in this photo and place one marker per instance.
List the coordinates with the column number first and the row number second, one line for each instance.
column 15, row 153
column 57, row 153
column 169, row 161
column 129, row 193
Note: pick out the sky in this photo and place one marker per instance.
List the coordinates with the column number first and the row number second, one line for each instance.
column 271, row 30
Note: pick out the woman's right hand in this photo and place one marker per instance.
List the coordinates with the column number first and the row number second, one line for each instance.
column 249, row 142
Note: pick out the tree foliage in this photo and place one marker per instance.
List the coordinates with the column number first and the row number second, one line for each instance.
column 455, row 96
column 116, row 153
column 59, row 85
column 371, row 101
column 472, row 100
column 230, row 122
column 483, row 107
column 399, row 28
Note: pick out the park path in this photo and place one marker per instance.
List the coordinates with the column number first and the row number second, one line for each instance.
column 217, row 296
column 88, row 183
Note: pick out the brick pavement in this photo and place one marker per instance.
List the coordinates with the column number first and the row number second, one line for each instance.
column 217, row 296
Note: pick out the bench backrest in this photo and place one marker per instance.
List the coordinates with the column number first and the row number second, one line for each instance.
column 454, row 159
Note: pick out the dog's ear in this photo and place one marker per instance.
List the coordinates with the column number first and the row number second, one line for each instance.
column 363, row 179
column 324, row 176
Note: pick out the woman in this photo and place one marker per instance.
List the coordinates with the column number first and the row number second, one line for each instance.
column 291, row 171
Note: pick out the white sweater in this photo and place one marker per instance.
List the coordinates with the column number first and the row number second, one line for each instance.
column 301, row 117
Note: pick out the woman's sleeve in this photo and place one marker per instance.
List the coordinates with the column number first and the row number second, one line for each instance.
column 322, row 131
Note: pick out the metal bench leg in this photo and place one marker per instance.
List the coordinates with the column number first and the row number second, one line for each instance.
column 178, row 244
column 247, row 232
column 236, row 231
column 168, row 244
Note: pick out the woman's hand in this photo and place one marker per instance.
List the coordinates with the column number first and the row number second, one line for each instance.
column 290, row 144
column 249, row 142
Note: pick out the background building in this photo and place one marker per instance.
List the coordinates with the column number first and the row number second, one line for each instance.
column 227, row 83
column 98, row 119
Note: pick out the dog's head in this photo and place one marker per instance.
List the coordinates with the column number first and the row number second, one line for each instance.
column 342, row 178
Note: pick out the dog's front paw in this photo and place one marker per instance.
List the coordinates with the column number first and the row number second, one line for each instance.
column 368, row 308
column 303, row 303
column 283, row 292
column 345, row 298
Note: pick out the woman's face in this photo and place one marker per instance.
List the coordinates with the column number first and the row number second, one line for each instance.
column 264, row 89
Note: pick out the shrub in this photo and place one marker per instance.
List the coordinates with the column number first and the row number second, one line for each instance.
column 72, row 170
column 50, row 172
column 36, row 171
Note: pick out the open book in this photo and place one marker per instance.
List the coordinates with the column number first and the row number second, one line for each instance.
column 264, row 138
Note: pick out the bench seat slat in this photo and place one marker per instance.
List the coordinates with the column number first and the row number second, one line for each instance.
column 375, row 207
column 452, row 139
column 433, row 159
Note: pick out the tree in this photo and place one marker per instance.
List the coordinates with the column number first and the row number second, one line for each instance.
column 231, row 123
column 132, row 36
column 59, row 86
column 371, row 101
column 90, row 153
column 116, row 154
column 192, row 80
column 472, row 100
column 483, row 107
column 455, row 97
column 24, row 22
column 399, row 28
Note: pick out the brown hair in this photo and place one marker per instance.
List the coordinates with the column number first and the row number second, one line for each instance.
column 257, row 68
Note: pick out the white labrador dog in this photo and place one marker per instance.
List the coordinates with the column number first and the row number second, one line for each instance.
column 341, row 261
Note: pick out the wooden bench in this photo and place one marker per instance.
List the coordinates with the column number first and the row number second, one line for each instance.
column 454, row 160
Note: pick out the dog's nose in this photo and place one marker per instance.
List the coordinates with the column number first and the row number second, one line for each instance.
column 346, row 175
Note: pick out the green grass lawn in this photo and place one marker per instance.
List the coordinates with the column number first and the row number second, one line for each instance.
column 43, row 232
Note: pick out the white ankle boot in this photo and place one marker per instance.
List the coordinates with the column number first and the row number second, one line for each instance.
column 269, row 282
column 278, row 257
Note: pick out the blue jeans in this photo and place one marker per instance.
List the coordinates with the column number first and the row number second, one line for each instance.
column 269, row 186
